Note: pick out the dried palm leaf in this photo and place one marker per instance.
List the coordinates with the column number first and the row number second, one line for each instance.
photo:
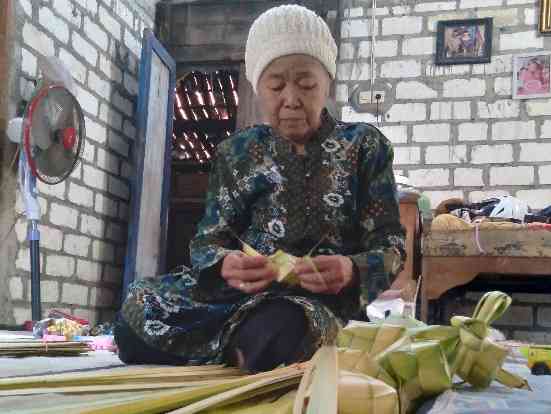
column 317, row 392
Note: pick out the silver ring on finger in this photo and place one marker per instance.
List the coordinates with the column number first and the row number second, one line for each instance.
column 243, row 285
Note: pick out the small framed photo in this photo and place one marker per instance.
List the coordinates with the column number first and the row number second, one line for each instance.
column 464, row 41
column 531, row 75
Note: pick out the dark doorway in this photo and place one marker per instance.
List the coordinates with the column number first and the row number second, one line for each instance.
column 205, row 113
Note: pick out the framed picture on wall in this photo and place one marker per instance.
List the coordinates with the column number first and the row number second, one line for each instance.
column 531, row 75
column 545, row 17
column 147, row 227
column 464, row 41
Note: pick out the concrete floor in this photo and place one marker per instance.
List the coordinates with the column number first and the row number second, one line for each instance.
column 495, row 399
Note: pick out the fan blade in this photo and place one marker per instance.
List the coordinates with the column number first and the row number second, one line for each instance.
column 64, row 116
column 41, row 127
column 55, row 161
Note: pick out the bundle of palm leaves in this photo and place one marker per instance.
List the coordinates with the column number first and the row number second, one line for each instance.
column 32, row 347
column 385, row 368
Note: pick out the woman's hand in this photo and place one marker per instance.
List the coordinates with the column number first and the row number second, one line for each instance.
column 330, row 275
column 247, row 273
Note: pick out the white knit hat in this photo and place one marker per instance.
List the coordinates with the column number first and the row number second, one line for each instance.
column 288, row 30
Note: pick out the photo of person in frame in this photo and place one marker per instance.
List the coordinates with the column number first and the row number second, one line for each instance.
column 532, row 75
column 464, row 41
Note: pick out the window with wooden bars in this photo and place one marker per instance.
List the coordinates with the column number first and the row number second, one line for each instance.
column 205, row 113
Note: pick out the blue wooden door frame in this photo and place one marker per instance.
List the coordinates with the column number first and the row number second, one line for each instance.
column 150, row 45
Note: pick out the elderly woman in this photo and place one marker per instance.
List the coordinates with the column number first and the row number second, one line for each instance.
column 304, row 183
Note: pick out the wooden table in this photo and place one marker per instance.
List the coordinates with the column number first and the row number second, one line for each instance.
column 450, row 260
column 411, row 220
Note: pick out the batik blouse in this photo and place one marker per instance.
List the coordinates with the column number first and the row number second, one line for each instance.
column 338, row 197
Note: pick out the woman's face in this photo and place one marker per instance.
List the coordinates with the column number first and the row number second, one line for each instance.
column 293, row 91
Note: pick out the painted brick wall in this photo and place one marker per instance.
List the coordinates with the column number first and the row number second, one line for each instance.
column 84, row 222
column 456, row 130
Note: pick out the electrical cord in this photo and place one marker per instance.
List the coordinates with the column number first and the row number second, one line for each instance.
column 10, row 230
column 19, row 215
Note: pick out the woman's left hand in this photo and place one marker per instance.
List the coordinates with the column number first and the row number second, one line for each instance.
column 330, row 275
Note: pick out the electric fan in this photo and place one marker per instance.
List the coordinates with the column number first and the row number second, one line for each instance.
column 51, row 136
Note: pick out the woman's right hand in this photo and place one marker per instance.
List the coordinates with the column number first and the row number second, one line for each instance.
column 250, row 274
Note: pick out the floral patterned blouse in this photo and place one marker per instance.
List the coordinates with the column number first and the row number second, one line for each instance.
column 340, row 195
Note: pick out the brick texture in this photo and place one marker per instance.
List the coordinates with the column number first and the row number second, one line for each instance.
column 82, row 228
column 456, row 129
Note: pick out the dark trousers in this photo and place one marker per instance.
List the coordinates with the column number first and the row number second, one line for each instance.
column 268, row 337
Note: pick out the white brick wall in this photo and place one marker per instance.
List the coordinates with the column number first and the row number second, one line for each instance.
column 434, row 177
column 539, row 107
column 96, row 34
column 461, row 88
column 383, row 48
column 29, row 63
column 405, row 25
column 80, row 195
column 94, row 177
column 92, row 226
column 84, row 219
column 514, row 130
column 398, row 134
column 431, row 133
column 499, row 109
column 435, row 6
column 89, row 271
column 59, row 28
column 118, row 144
column 95, row 131
column 38, row 40
column 63, row 216
column 110, row 24
column 545, row 174
column 356, row 28
column 88, row 102
column 535, row 198
column 418, row 46
column 467, row 4
column 492, row 154
column 57, row 265
column 546, row 129
column 521, row 40
column 450, row 110
column 407, row 112
column 106, row 206
column 407, row 155
column 65, row 9
column 502, row 86
column 414, row 90
column 446, row 154
column 74, row 294
column 535, row 152
column 468, row 177
column 76, row 245
column 85, row 49
column 511, row 175
column 499, row 64
column 103, row 251
column 473, row 131
column 401, row 69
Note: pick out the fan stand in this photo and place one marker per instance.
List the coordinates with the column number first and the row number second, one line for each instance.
column 27, row 182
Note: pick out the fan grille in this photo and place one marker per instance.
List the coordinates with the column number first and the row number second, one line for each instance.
column 54, row 134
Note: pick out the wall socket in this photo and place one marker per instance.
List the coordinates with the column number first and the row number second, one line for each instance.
column 364, row 97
